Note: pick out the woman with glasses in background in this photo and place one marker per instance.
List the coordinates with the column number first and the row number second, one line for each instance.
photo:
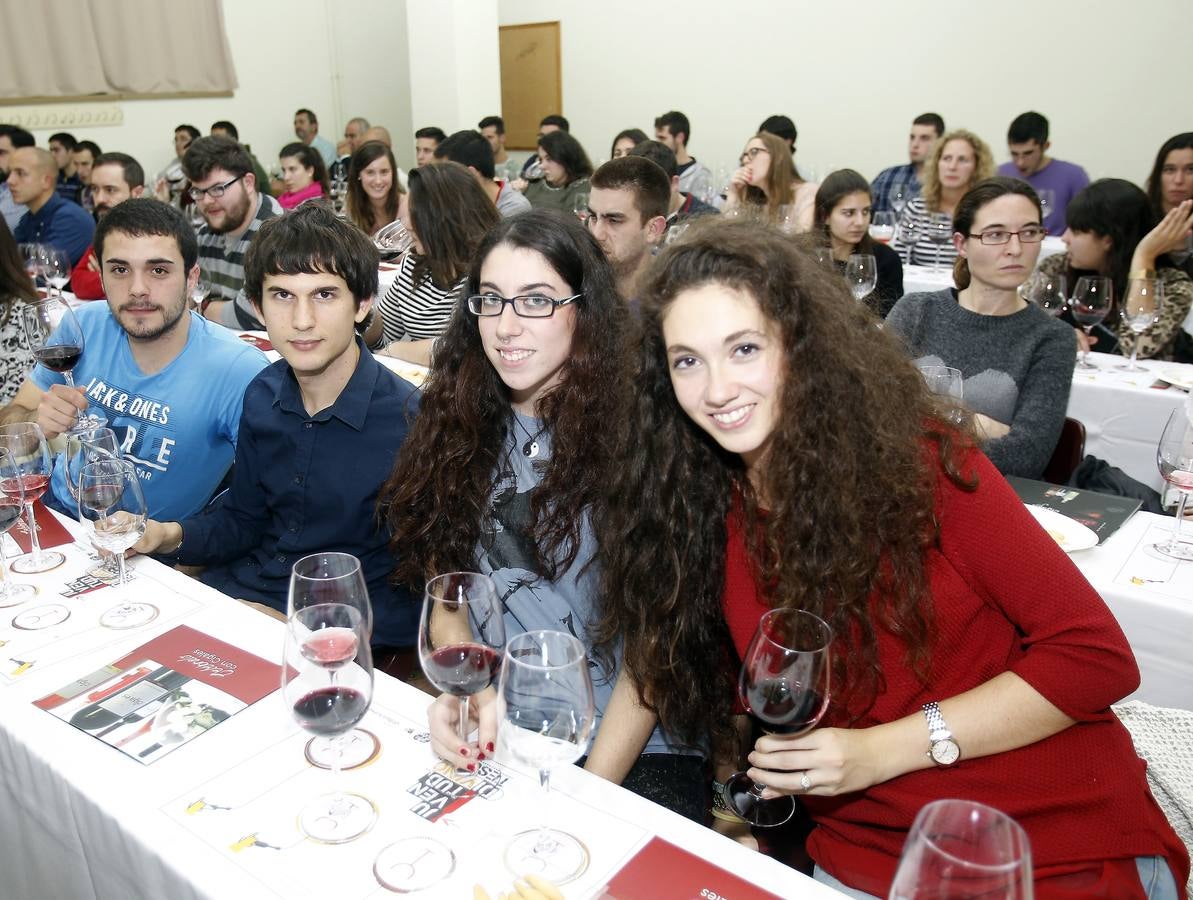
column 1015, row 359
column 769, row 184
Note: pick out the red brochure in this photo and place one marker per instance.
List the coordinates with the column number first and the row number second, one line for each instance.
column 661, row 869
column 50, row 532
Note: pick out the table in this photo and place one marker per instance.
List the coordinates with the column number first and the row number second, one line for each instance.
column 1124, row 412
column 925, row 278
column 83, row 820
column 1151, row 596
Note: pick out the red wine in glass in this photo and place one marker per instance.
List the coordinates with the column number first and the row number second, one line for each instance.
column 463, row 669
column 32, row 486
column 60, row 358
column 784, row 708
column 331, row 710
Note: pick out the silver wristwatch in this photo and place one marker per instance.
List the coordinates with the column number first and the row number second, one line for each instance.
column 942, row 748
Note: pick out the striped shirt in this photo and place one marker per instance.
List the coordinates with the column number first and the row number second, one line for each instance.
column 410, row 313
column 222, row 264
column 924, row 251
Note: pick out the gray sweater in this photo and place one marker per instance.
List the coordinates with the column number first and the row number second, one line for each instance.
column 1018, row 369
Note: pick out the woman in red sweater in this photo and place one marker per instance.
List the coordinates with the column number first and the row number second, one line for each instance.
column 782, row 452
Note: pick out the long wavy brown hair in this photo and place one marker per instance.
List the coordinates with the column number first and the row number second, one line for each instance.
column 15, row 283
column 781, row 178
column 849, row 482
column 451, row 214
column 437, row 499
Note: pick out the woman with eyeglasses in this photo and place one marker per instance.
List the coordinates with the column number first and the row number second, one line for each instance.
column 565, row 169
column 448, row 214
column 1016, row 360
column 769, row 184
column 304, row 175
column 374, row 192
column 507, row 460
column 1113, row 230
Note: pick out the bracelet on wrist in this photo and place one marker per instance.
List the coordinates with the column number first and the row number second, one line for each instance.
column 1142, row 273
column 727, row 816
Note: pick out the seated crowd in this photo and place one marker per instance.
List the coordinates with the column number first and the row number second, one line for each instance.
column 653, row 412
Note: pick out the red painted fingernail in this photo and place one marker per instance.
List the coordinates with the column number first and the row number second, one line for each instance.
column 489, row 746
column 472, row 767
column 463, row 751
column 480, row 755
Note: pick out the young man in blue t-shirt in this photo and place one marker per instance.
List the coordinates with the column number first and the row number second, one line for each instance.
column 170, row 383
column 320, row 430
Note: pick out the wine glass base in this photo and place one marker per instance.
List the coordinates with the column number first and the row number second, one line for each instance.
column 16, row 595
column 356, row 748
column 1087, row 366
column 552, row 854
column 337, row 818
column 413, row 864
column 1174, row 549
column 128, row 615
column 27, row 565
column 1127, row 367
column 741, row 792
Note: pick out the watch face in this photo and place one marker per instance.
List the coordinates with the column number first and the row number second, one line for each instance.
column 945, row 752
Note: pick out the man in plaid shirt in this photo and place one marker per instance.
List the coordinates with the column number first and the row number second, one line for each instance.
column 926, row 129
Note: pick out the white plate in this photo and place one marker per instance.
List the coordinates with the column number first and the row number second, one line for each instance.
column 1070, row 534
column 1182, row 378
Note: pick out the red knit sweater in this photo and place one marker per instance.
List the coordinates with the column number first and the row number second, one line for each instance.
column 1006, row 599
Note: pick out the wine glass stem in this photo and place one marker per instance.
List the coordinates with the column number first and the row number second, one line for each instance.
column 1180, row 519
column 1134, row 353
column 122, row 571
column 464, row 725
column 34, row 543
column 5, row 585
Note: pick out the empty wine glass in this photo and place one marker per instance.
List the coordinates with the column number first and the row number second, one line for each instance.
column 882, row 226
column 939, row 230
column 945, row 381
column 861, row 273
column 31, row 465
column 1140, row 310
column 786, row 219
column 12, row 500
column 112, row 508
column 327, row 682
column 87, row 446
column 899, row 197
column 393, row 240
column 545, row 718
column 1047, row 201
column 1089, row 304
column 784, row 684
column 199, row 293
column 55, row 267
column 31, row 257
column 580, row 207
column 461, row 636
column 1174, row 455
column 57, row 341
column 907, row 234
column 1047, row 292
column 964, row 850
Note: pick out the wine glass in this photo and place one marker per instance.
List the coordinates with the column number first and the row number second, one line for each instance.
column 882, row 226
column 327, row 681
column 908, row 235
column 961, row 849
column 392, row 240
column 545, row 719
column 461, row 636
column 1047, row 202
column 535, row 171
column 12, row 499
column 1047, row 292
column 1089, row 304
column 57, row 341
column 55, row 267
column 87, row 446
column 31, row 463
column 1140, row 310
column 675, row 232
column 112, row 508
column 939, row 230
column 784, row 684
column 786, row 219
column 580, row 207
column 199, row 293
column 899, row 197
column 31, row 257
column 861, row 272
column 945, row 381
column 1174, row 455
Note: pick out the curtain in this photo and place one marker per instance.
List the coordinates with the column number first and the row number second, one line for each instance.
column 106, row 48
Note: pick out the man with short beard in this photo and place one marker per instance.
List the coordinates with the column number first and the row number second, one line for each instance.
column 224, row 189
column 170, row 383
column 114, row 178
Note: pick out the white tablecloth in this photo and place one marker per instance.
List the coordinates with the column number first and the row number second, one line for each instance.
column 1151, row 596
column 82, row 820
column 1124, row 414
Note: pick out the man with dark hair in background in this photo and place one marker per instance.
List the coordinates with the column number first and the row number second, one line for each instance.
column 224, row 189
column 682, row 206
column 627, row 214
column 425, row 141
column 83, row 156
column 1056, row 181
column 51, row 219
column 224, row 128
column 62, row 145
column 782, row 127
column 904, row 180
column 492, row 128
column 675, row 131
column 115, row 177
column 11, row 138
column 470, row 149
column 306, row 129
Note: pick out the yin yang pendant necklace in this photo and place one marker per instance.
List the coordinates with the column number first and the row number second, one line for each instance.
column 531, row 448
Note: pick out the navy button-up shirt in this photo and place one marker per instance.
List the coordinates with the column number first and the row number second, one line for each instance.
column 305, row 484
column 60, row 224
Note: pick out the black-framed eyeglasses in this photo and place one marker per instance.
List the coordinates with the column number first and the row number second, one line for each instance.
column 749, row 153
column 1032, row 234
column 530, row 306
column 215, row 191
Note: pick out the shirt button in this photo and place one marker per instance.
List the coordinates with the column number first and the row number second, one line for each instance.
column 281, row 557
column 298, row 479
column 307, row 425
column 293, row 528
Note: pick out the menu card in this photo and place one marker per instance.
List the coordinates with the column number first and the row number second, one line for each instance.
column 50, row 532
column 1103, row 514
column 660, row 869
column 163, row 694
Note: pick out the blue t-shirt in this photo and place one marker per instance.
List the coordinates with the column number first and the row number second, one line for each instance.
column 179, row 425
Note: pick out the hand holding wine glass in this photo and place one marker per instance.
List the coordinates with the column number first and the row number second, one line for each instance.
column 112, row 507
column 1090, row 304
column 57, row 341
column 29, row 477
column 861, row 273
column 1140, row 310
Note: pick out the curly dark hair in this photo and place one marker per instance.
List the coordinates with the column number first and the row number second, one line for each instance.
column 451, row 214
column 848, row 482
column 436, row 500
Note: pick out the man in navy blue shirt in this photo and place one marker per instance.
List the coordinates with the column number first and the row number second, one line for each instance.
column 32, row 178
column 319, row 431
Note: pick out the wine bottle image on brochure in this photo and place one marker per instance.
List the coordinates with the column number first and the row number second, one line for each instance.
column 113, row 709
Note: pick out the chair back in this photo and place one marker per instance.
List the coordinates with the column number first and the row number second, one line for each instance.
column 1070, row 449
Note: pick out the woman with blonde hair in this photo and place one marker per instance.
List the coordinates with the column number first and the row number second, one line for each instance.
column 768, row 181
column 960, row 160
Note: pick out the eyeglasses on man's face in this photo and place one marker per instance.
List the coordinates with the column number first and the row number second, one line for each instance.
column 529, row 306
column 215, row 191
column 1032, row 234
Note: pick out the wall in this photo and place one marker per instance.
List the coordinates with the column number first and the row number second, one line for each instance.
column 851, row 77
column 340, row 58
column 455, row 67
